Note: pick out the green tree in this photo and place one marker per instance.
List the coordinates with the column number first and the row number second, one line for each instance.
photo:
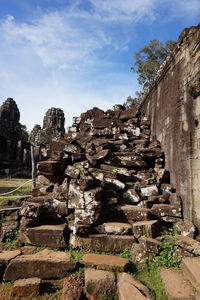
column 147, row 62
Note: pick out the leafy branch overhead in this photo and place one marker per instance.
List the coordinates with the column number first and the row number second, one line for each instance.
column 147, row 63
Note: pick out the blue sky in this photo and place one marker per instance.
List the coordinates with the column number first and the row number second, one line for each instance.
column 77, row 54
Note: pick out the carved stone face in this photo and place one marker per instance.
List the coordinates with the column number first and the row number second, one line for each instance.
column 9, row 111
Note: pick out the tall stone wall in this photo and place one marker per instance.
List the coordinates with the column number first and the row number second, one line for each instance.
column 173, row 106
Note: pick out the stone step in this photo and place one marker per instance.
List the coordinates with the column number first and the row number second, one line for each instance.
column 53, row 236
column 115, row 228
column 111, row 243
column 176, row 285
column 191, row 269
column 44, row 264
column 106, row 262
column 127, row 212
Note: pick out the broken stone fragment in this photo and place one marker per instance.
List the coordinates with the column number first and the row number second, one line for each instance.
column 185, row 228
column 126, row 159
column 26, row 287
column 127, row 212
column 188, row 244
column 150, row 190
column 114, row 183
column 129, row 114
column 115, row 228
column 75, row 196
column 99, row 284
column 72, row 172
column 130, row 196
column 163, row 176
column 118, row 171
column 149, row 152
column 98, row 156
column 81, row 230
column 86, row 217
column 162, row 210
column 151, row 245
column 146, row 228
column 51, row 168
column 129, row 288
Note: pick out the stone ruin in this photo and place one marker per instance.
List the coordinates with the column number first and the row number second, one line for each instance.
column 14, row 147
column 103, row 186
column 53, row 128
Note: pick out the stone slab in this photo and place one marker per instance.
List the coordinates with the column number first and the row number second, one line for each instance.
column 130, row 281
column 115, row 228
column 109, row 243
column 106, row 262
column 7, row 256
column 177, row 287
column 99, row 284
column 191, row 269
column 44, row 264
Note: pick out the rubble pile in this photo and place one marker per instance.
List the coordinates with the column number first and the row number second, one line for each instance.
column 103, row 186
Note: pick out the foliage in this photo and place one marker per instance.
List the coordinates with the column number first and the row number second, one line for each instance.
column 125, row 254
column 147, row 62
column 168, row 256
column 11, row 239
column 150, row 276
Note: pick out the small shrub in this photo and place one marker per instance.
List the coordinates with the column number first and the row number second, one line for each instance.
column 11, row 239
column 168, row 256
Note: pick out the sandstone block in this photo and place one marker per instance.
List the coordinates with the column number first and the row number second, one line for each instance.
column 44, row 264
column 150, row 190
column 106, row 262
column 54, row 236
column 26, row 287
column 162, row 210
column 130, row 281
column 99, row 284
column 115, row 228
column 146, row 228
column 52, row 168
column 86, row 217
column 7, row 256
column 177, row 287
column 188, row 244
column 73, row 287
column 130, row 197
column 128, row 212
column 127, row 291
column 185, row 228
column 109, row 243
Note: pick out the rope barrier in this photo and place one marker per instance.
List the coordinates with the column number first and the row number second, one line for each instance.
column 16, row 188
column 25, row 196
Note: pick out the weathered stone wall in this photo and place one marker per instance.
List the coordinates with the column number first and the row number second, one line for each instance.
column 173, row 105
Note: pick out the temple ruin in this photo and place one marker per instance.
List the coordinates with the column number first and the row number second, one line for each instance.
column 14, row 148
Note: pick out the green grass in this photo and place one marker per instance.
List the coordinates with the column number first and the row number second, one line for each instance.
column 11, row 184
column 149, row 275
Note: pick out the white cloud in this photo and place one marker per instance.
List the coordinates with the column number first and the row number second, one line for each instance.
column 64, row 58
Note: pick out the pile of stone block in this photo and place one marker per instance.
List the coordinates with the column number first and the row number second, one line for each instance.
column 102, row 186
